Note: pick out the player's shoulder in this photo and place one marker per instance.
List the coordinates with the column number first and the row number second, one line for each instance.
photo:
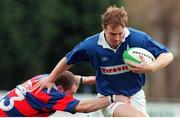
column 90, row 42
column 137, row 35
column 92, row 38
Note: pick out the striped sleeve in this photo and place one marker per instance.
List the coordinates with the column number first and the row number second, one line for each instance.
column 68, row 103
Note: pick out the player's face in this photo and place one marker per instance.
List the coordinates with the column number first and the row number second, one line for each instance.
column 114, row 36
column 71, row 91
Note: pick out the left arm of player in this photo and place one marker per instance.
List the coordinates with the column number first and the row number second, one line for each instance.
column 161, row 61
column 86, row 106
column 86, row 79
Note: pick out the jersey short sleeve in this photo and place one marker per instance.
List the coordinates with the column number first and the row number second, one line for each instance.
column 79, row 53
column 67, row 103
column 154, row 46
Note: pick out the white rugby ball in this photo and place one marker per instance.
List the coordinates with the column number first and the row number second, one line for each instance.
column 132, row 55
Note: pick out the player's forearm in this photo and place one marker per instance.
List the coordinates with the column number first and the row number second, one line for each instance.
column 86, row 79
column 87, row 106
column 162, row 60
column 60, row 68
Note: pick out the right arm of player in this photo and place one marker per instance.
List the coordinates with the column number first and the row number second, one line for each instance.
column 87, row 106
column 49, row 80
column 60, row 68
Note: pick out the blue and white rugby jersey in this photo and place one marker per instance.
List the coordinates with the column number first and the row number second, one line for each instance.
column 112, row 75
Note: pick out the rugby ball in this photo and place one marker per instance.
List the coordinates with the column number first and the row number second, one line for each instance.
column 132, row 55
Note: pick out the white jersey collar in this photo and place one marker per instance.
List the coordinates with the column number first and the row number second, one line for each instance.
column 102, row 41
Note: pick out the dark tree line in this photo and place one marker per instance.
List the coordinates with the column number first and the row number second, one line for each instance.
column 35, row 34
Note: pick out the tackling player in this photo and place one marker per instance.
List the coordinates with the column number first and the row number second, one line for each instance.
column 21, row 101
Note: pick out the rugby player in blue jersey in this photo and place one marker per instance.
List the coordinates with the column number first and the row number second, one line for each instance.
column 104, row 52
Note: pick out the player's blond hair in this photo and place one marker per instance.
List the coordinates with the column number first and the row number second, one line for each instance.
column 114, row 16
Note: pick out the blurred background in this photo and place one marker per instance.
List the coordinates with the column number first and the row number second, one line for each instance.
column 36, row 34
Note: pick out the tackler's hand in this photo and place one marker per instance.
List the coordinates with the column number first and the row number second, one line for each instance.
column 43, row 83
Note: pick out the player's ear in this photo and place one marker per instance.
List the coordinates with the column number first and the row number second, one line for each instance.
column 60, row 88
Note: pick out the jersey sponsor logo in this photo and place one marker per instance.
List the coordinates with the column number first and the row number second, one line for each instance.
column 113, row 70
